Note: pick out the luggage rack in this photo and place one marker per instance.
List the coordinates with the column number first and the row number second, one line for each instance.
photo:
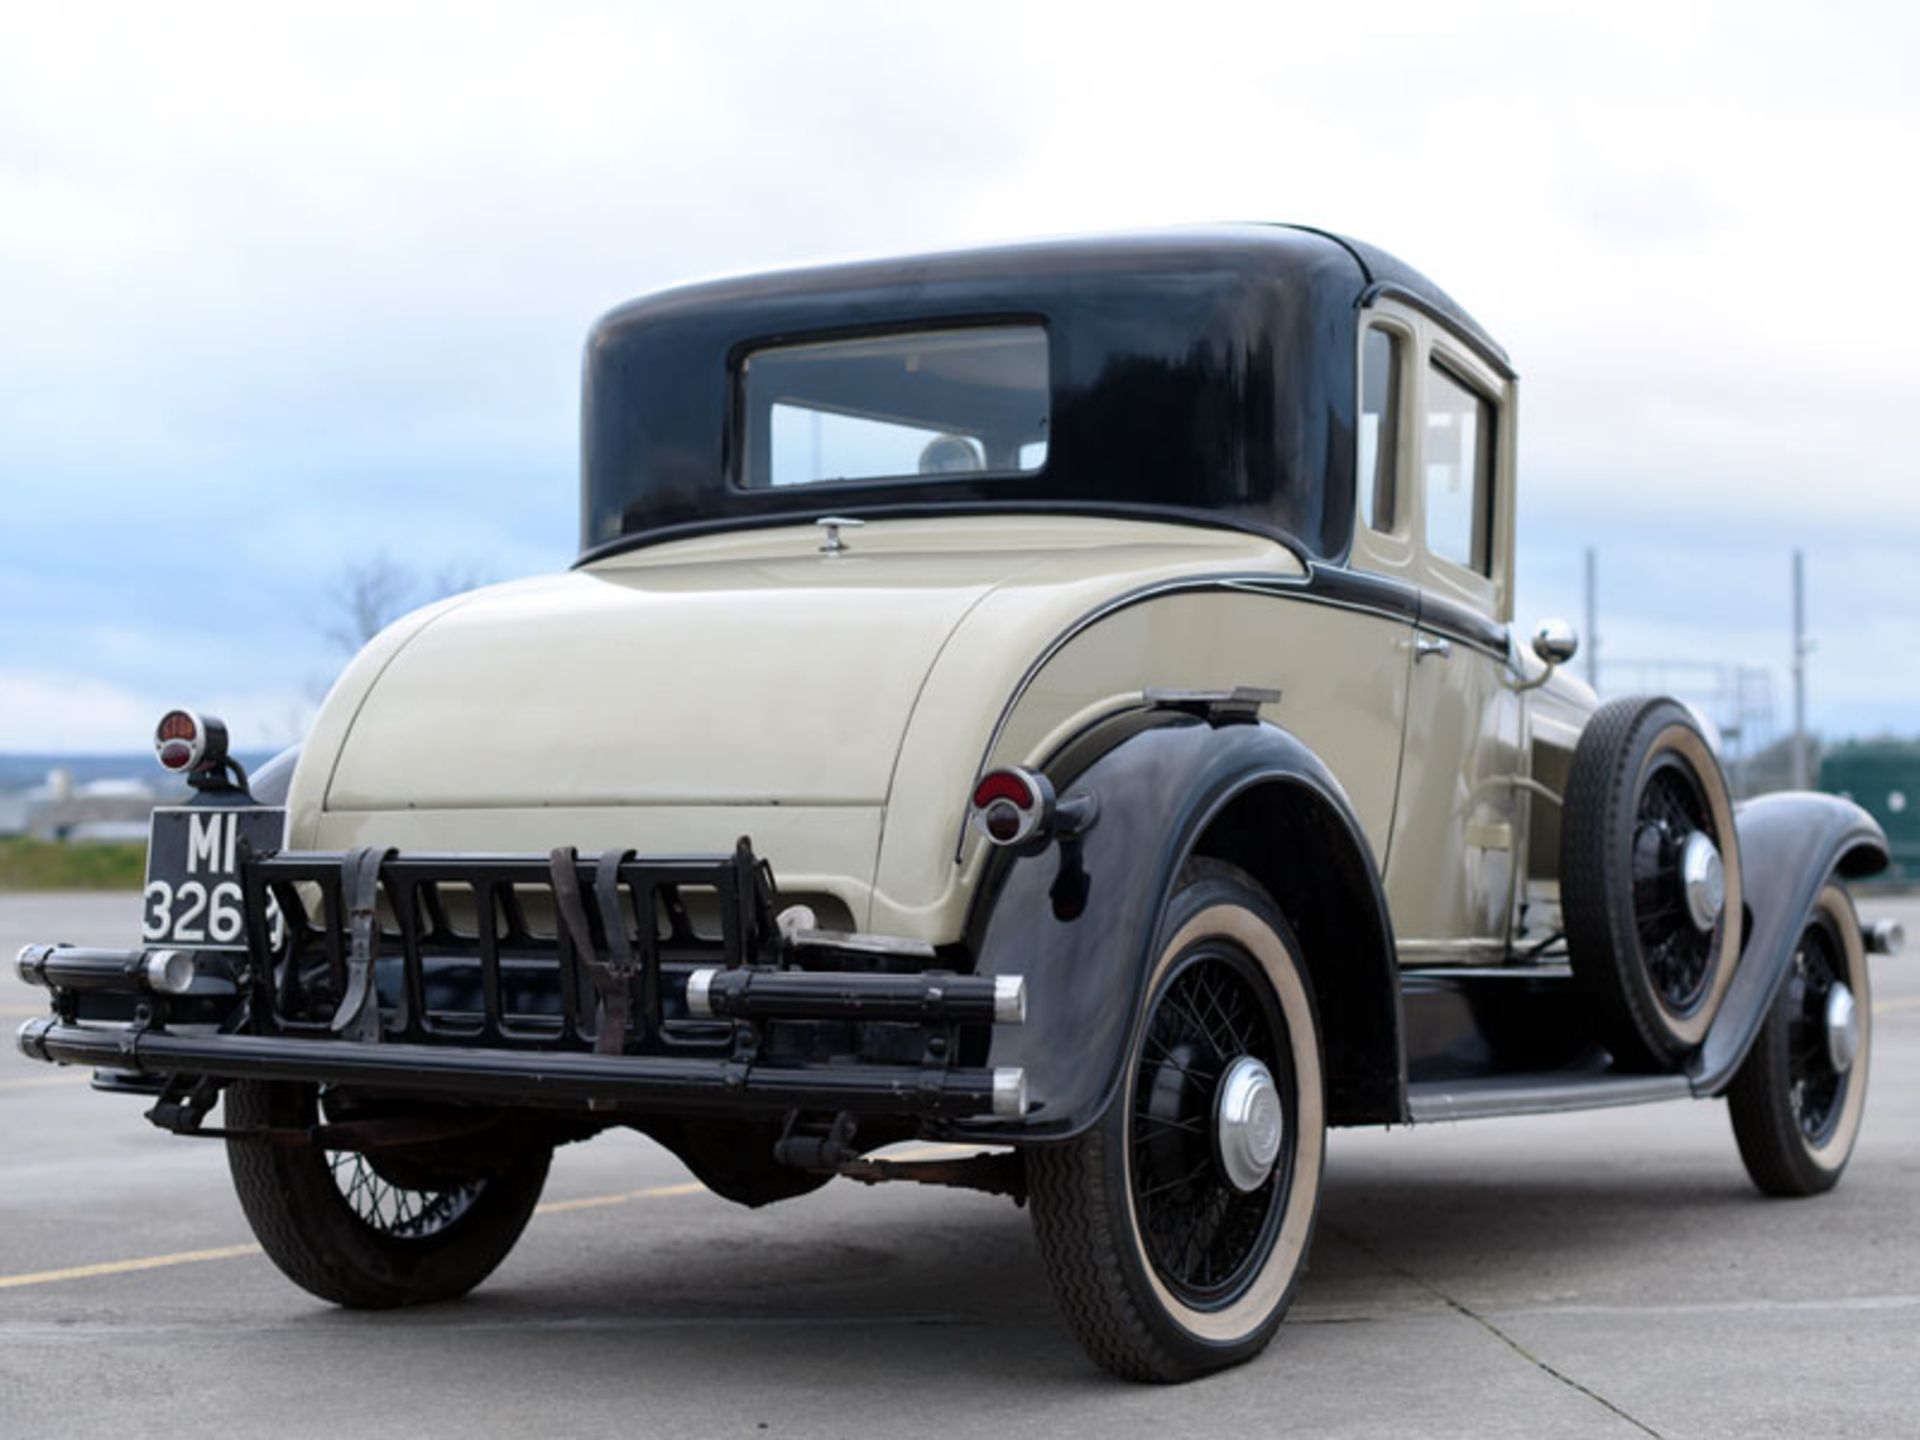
column 499, row 951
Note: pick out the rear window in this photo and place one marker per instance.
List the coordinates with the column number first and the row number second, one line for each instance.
column 926, row 405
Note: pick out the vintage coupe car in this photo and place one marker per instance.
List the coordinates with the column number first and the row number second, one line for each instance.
column 1106, row 645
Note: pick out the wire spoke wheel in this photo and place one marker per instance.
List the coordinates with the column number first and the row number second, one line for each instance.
column 1678, row 954
column 371, row 1233
column 1816, row 1089
column 1175, row 1227
column 395, row 1210
column 1203, row 1234
column 1797, row 1100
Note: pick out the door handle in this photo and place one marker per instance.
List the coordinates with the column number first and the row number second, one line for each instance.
column 1425, row 645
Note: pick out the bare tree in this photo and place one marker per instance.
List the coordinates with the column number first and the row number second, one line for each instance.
column 366, row 596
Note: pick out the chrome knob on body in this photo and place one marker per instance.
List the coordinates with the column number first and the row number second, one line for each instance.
column 833, row 525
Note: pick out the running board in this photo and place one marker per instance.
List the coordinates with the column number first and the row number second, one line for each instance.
column 1551, row 1093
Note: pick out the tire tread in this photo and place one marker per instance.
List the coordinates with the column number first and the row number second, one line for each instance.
column 308, row 1232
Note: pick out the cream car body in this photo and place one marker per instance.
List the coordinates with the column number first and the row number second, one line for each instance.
column 889, row 677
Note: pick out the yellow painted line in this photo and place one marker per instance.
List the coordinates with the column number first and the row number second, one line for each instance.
column 595, row 1202
column 39, row 1081
column 234, row 1252
column 1907, row 1002
column 127, row 1267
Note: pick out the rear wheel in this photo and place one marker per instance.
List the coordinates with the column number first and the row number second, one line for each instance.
column 1175, row 1231
column 1650, row 880
column 340, row 1228
column 1797, row 1099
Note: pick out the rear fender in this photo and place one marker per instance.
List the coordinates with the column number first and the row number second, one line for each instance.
column 1789, row 845
column 1180, row 786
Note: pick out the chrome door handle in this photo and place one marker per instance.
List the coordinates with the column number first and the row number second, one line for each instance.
column 1425, row 645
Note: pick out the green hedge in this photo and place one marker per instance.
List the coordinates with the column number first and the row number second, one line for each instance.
column 48, row 865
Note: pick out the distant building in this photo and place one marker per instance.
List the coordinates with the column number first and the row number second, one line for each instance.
column 1883, row 778
column 98, row 810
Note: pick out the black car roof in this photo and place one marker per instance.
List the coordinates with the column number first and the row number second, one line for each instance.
column 1203, row 374
column 1255, row 244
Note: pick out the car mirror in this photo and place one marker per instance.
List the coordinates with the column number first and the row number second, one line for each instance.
column 1555, row 642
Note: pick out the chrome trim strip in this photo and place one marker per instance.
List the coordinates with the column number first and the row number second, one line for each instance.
column 1481, row 1099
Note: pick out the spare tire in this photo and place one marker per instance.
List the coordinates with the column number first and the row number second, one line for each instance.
column 1649, row 880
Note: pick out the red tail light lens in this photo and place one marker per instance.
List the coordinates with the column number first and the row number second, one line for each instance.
column 1010, row 806
column 179, row 740
column 1011, row 785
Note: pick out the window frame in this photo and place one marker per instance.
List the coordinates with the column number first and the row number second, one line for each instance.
column 1403, row 553
column 1489, row 591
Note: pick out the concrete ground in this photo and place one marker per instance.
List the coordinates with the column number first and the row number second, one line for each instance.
column 1608, row 1274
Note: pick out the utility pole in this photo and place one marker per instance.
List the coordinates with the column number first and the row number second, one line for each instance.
column 1592, row 636
column 1801, row 761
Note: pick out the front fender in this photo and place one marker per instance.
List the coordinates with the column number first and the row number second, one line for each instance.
column 1789, row 845
column 1157, row 790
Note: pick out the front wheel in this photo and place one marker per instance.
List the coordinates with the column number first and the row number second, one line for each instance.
column 342, row 1230
column 1175, row 1231
column 1797, row 1099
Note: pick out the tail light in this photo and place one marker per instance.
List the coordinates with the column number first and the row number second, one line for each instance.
column 186, row 742
column 179, row 741
column 1012, row 806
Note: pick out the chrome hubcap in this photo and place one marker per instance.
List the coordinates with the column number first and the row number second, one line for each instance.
column 1843, row 1028
column 1704, row 879
column 1247, row 1124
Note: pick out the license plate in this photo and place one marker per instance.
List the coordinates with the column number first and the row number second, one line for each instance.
column 193, row 872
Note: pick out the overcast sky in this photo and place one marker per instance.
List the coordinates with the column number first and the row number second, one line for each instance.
column 283, row 286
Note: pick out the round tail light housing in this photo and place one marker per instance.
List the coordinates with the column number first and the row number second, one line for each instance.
column 179, row 741
column 1011, row 806
column 186, row 742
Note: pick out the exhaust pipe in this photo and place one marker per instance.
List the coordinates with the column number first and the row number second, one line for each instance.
column 753, row 994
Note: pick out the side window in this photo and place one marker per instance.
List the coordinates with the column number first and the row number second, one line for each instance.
column 1378, row 456
column 1459, row 464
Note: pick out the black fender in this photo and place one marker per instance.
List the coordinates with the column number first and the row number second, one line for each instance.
column 1168, row 785
column 270, row 783
column 1790, row 845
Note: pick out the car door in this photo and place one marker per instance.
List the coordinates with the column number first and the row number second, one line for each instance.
column 1440, row 520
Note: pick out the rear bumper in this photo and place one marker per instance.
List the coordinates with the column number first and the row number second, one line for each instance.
column 529, row 980
column 538, row 1077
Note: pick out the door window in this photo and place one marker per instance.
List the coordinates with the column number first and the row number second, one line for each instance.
column 1379, row 448
column 1459, row 473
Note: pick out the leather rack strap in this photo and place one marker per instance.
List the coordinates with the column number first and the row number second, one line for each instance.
column 358, row 1015
column 610, row 1021
column 618, row 994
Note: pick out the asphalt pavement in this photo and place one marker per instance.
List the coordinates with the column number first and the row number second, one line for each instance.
column 1606, row 1274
